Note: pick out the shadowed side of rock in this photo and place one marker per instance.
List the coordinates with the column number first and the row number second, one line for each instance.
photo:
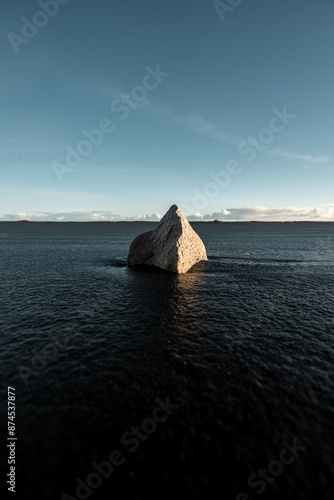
column 173, row 245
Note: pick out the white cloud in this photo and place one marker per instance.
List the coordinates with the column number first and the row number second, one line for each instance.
column 198, row 215
column 261, row 213
column 258, row 213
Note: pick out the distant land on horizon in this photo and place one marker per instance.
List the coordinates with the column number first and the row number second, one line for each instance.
column 156, row 222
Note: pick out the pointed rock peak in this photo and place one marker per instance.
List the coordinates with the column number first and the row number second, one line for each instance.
column 173, row 215
column 173, row 210
column 172, row 245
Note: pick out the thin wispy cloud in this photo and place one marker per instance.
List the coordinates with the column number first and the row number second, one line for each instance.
column 201, row 125
column 15, row 144
column 194, row 122
column 101, row 90
column 319, row 160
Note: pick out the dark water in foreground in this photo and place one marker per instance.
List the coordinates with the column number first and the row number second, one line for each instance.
column 243, row 347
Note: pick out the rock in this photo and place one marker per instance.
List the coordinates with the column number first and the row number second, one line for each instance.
column 172, row 245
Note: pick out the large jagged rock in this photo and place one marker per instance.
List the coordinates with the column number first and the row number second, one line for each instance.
column 172, row 245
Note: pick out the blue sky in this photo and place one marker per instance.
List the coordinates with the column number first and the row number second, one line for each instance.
column 241, row 94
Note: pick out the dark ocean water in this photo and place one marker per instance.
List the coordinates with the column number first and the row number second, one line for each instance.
column 242, row 345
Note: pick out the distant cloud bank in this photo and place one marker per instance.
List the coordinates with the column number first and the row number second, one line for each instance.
column 258, row 213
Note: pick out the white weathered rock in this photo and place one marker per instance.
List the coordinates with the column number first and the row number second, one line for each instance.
column 172, row 245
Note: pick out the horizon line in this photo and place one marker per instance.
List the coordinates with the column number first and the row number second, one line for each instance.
column 157, row 222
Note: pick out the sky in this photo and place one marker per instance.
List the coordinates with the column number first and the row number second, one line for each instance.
column 117, row 110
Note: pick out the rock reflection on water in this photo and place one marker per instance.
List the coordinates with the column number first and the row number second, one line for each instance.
column 173, row 302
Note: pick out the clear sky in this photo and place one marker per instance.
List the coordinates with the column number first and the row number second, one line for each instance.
column 224, row 108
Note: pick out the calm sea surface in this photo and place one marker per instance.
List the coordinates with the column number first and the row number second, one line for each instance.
column 241, row 347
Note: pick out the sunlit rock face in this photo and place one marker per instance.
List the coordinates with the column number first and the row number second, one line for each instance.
column 172, row 245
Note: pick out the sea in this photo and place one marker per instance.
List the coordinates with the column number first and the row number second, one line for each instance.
column 134, row 383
